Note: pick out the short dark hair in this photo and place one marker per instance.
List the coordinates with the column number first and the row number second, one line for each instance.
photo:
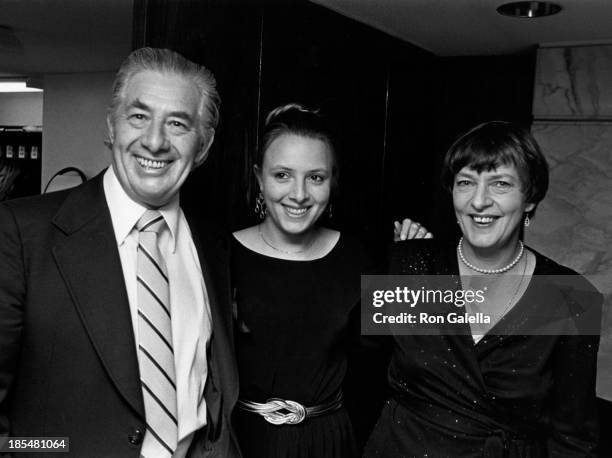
column 296, row 119
column 491, row 144
column 169, row 62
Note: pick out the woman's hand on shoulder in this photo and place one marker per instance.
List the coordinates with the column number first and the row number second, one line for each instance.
column 408, row 229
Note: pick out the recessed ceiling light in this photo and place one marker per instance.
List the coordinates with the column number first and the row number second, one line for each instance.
column 529, row 9
column 16, row 86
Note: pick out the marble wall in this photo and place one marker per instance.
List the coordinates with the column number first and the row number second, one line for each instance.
column 572, row 122
column 573, row 83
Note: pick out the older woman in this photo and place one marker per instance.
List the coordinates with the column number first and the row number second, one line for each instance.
column 501, row 388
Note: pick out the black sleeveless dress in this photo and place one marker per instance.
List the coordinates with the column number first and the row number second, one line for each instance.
column 292, row 320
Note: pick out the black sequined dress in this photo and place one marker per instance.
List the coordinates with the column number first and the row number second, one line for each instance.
column 507, row 396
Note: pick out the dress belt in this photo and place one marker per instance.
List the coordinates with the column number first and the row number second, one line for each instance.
column 283, row 411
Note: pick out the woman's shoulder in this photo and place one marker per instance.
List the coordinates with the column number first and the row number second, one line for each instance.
column 246, row 236
column 328, row 238
column 349, row 242
column 581, row 296
column 241, row 242
column 548, row 266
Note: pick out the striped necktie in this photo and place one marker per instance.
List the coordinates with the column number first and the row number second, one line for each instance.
column 155, row 353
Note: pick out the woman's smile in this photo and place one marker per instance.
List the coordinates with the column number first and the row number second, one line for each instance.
column 295, row 212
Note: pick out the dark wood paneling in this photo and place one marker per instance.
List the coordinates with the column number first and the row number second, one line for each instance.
column 224, row 36
column 397, row 108
column 409, row 143
column 316, row 57
column 469, row 91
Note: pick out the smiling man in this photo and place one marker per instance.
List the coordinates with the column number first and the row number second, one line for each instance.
column 108, row 301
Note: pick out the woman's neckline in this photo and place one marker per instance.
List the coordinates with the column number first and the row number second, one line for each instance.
column 324, row 256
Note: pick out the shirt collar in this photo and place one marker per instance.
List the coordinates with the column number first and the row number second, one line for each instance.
column 125, row 212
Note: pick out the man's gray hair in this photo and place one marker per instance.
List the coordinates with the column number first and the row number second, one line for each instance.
column 169, row 62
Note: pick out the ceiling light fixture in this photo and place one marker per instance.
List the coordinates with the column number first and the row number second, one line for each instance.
column 16, row 86
column 529, row 9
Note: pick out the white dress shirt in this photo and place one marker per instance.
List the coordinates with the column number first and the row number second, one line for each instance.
column 190, row 310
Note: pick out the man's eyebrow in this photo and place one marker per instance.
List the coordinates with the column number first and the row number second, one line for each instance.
column 180, row 114
column 139, row 104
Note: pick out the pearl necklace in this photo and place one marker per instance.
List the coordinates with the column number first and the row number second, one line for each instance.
column 306, row 248
column 489, row 271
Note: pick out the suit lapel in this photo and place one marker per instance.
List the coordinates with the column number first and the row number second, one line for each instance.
column 89, row 263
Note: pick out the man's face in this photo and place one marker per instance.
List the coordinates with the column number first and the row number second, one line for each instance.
column 156, row 136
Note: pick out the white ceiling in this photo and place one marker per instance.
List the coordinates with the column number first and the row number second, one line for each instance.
column 64, row 36
column 473, row 27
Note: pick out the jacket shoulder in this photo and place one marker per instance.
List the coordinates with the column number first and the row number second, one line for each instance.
column 31, row 214
column 46, row 206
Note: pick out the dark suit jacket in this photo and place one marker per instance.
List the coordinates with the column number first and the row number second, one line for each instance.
column 68, row 365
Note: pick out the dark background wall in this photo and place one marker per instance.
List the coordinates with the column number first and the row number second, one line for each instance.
column 397, row 107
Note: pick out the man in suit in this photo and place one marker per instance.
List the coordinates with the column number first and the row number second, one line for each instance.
column 114, row 307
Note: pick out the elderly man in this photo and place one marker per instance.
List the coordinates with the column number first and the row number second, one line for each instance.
column 114, row 307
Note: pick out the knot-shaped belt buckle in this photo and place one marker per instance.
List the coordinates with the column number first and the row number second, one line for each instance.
column 294, row 412
column 285, row 412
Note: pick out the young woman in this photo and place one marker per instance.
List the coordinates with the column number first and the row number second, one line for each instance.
column 297, row 285
column 297, row 295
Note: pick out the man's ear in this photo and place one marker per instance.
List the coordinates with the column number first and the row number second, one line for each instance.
column 204, row 148
column 110, row 132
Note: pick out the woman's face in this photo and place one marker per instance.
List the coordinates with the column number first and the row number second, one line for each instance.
column 490, row 206
column 295, row 179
